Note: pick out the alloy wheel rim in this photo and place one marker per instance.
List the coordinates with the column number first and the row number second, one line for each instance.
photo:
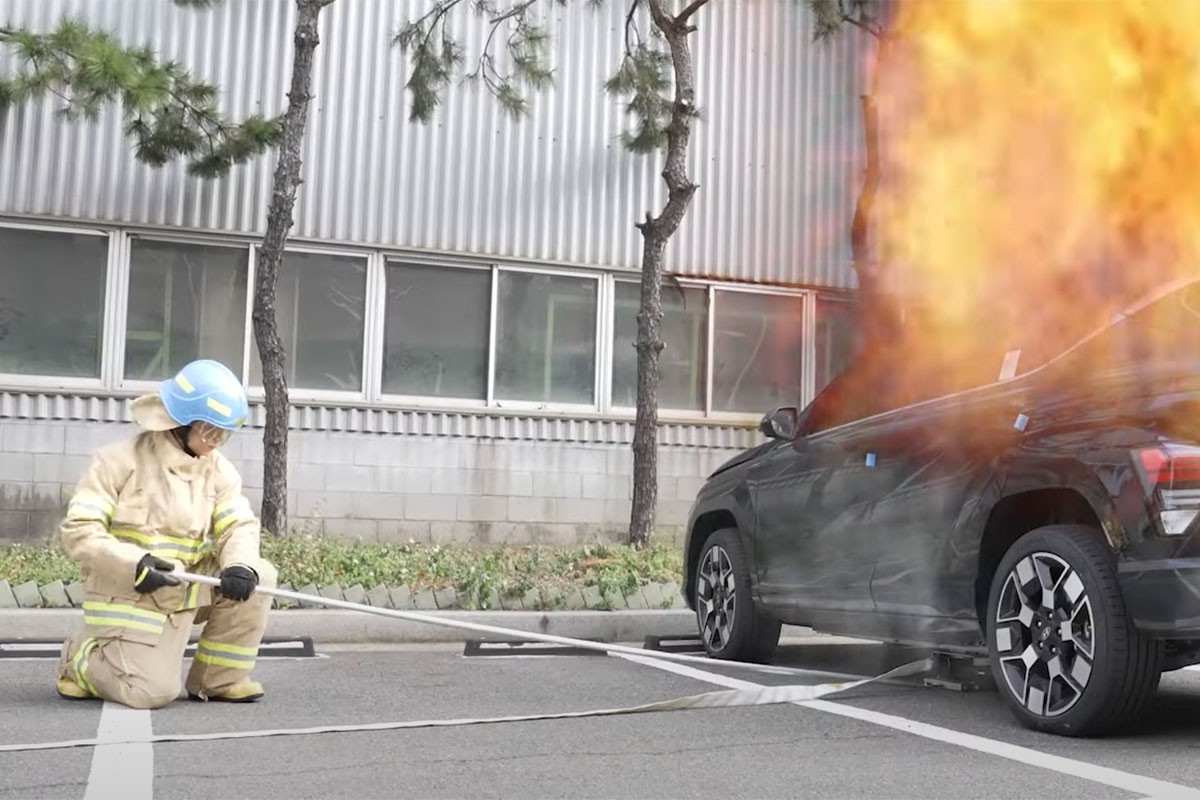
column 716, row 595
column 1045, row 634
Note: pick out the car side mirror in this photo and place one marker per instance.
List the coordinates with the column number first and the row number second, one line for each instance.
column 782, row 423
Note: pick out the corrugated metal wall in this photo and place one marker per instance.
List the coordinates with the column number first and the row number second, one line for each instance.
column 776, row 155
column 409, row 422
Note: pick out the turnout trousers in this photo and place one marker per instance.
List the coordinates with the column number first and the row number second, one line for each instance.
column 133, row 655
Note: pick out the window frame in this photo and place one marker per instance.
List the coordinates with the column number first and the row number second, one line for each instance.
column 682, row 414
column 712, row 288
column 427, row 401
column 120, row 240
column 807, row 351
column 597, row 365
column 257, row 394
column 18, row 380
column 121, row 310
column 818, row 297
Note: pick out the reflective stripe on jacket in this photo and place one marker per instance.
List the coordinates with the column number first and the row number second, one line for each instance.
column 146, row 495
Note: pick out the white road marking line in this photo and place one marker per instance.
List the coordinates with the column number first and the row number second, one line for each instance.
column 1118, row 779
column 122, row 770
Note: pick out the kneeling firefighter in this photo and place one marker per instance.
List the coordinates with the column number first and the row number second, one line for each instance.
column 162, row 499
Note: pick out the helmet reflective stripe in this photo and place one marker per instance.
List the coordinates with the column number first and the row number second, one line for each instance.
column 219, row 407
column 205, row 391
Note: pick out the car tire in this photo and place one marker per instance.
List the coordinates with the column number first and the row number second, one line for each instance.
column 730, row 624
column 1039, row 646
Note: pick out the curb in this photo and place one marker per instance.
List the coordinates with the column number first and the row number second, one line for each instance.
column 335, row 626
column 650, row 596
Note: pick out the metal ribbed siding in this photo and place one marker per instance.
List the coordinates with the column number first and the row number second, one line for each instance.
column 478, row 425
column 776, row 156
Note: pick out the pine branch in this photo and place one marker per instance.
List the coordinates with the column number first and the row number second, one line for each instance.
column 526, row 45
column 631, row 26
column 861, row 24
column 644, row 77
column 430, row 68
column 517, row 10
column 167, row 113
column 830, row 15
column 686, row 14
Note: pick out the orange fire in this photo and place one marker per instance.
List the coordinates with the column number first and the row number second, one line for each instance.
column 1041, row 167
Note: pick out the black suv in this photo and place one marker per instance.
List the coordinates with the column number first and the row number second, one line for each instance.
column 1047, row 521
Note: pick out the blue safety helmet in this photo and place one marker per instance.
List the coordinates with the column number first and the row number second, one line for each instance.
column 205, row 391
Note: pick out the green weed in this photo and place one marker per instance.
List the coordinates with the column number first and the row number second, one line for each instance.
column 475, row 574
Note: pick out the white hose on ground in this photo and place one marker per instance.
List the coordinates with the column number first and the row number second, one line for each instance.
column 754, row 695
column 751, row 695
column 506, row 632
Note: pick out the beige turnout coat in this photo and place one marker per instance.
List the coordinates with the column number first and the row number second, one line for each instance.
column 146, row 495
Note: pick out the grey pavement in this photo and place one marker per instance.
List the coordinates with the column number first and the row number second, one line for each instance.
column 781, row 751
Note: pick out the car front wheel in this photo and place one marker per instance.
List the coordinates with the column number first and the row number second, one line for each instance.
column 1064, row 653
column 730, row 624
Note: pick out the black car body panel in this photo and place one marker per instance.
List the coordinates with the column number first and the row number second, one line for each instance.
column 886, row 527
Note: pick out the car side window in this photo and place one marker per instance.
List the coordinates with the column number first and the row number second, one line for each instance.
column 846, row 398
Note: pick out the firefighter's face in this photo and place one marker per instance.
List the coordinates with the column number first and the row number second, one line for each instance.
column 204, row 438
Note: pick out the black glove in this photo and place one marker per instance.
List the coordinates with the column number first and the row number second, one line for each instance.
column 152, row 574
column 237, row 583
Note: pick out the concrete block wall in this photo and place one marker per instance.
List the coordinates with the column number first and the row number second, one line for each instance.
column 387, row 487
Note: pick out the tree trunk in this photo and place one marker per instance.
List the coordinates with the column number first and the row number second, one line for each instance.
column 878, row 317
column 270, row 255
column 656, row 232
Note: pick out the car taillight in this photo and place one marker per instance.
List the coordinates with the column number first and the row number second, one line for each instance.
column 1171, row 466
column 1172, row 476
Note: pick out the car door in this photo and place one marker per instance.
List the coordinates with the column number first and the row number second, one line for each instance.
column 872, row 469
column 938, row 463
column 803, row 495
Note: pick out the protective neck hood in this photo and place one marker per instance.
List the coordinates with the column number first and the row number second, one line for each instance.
column 180, row 435
column 174, row 459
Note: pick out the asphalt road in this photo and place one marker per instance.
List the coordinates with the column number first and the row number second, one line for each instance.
column 878, row 741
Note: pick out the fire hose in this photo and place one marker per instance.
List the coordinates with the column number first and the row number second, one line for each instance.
column 497, row 631
column 750, row 696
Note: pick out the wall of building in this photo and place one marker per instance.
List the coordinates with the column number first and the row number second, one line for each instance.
column 388, row 487
column 517, row 417
column 776, row 156
column 457, row 300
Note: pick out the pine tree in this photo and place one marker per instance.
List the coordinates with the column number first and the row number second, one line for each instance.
column 653, row 65
column 879, row 318
column 168, row 115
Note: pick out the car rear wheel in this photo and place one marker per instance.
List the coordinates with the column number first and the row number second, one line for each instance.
column 1064, row 653
column 730, row 624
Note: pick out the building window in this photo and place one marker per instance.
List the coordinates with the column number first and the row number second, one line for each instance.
column 320, row 301
column 836, row 331
column 186, row 301
column 546, row 338
column 683, row 360
column 52, row 302
column 436, row 331
column 757, row 351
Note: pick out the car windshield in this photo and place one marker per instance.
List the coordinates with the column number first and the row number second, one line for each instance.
column 1162, row 334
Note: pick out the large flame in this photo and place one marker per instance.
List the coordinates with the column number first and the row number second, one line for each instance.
column 1041, row 168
